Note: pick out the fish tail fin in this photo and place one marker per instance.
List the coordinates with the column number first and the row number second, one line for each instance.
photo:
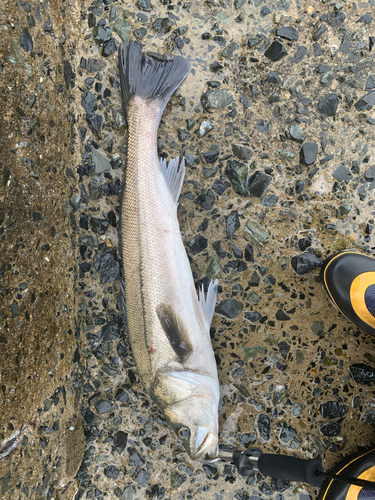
column 144, row 77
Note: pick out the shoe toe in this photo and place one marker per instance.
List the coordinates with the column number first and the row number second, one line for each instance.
column 349, row 280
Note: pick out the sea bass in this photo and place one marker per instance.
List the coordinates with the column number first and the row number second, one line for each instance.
column 168, row 325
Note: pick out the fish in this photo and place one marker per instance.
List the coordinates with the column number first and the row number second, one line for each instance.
column 168, row 324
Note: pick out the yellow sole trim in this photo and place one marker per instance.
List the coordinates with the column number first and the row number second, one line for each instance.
column 357, row 296
column 345, row 466
column 354, row 491
column 325, row 279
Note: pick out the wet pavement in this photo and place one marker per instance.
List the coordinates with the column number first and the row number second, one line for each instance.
column 276, row 121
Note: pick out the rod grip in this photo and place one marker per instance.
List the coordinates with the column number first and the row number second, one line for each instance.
column 291, row 468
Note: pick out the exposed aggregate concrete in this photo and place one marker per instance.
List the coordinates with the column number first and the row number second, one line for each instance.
column 277, row 126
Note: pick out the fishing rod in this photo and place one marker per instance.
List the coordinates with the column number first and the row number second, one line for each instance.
column 305, row 471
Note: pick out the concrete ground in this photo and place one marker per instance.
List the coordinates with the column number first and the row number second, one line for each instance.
column 277, row 125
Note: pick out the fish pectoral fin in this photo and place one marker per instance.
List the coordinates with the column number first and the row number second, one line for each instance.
column 174, row 174
column 175, row 366
column 206, row 304
column 174, row 331
column 168, row 388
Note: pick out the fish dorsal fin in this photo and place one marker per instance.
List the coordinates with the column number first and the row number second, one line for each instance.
column 174, row 174
column 206, row 304
column 175, row 331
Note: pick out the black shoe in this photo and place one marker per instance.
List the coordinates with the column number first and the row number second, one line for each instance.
column 349, row 281
column 358, row 466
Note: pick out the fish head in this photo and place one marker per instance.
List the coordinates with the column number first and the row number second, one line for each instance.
column 190, row 401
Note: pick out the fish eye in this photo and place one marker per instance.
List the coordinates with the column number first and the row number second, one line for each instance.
column 183, row 432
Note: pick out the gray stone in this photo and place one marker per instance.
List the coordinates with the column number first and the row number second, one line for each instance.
column 335, row 19
column 205, row 127
column 297, row 134
column 109, row 47
column 264, row 426
column 113, row 13
column 214, row 267
column 26, row 40
column 230, row 308
column 141, row 33
column 289, row 33
column 94, row 65
column 245, row 101
column 345, row 209
column 366, row 102
column 237, row 173
column 252, row 41
column 276, row 51
column 232, row 223
column 242, row 152
column 346, row 43
column 190, row 160
column 230, row 50
column 305, row 263
column 103, row 406
column 263, row 126
column 183, row 135
column 239, row 3
column 257, row 231
column 370, row 174
column 300, row 54
column 287, row 433
column 318, row 328
column 197, row 244
column 281, row 316
column 308, row 153
column 89, row 103
column 102, row 33
column 320, row 31
column 328, row 105
column 95, row 121
column 100, row 161
column 370, row 83
column 269, row 200
column 211, row 156
column 162, row 26
column 258, row 183
column 107, row 265
column 123, row 29
column 362, row 374
column 111, row 330
column 144, row 5
column 75, row 201
column 342, row 174
column 216, row 99
column 365, row 19
column 331, row 429
column 333, row 409
column 273, row 77
column 143, row 477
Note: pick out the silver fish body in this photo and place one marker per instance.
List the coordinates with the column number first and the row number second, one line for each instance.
column 168, row 326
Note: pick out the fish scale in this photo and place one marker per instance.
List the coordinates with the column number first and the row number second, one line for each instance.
column 140, row 252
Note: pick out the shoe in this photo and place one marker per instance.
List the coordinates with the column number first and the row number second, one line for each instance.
column 360, row 466
column 349, row 280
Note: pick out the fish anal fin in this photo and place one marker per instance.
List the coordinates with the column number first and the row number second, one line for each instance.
column 174, row 173
column 174, row 331
column 206, row 304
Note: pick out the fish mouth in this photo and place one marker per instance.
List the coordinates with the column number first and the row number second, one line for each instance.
column 207, row 447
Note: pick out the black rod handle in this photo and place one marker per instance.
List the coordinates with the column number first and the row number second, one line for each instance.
column 291, row 468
